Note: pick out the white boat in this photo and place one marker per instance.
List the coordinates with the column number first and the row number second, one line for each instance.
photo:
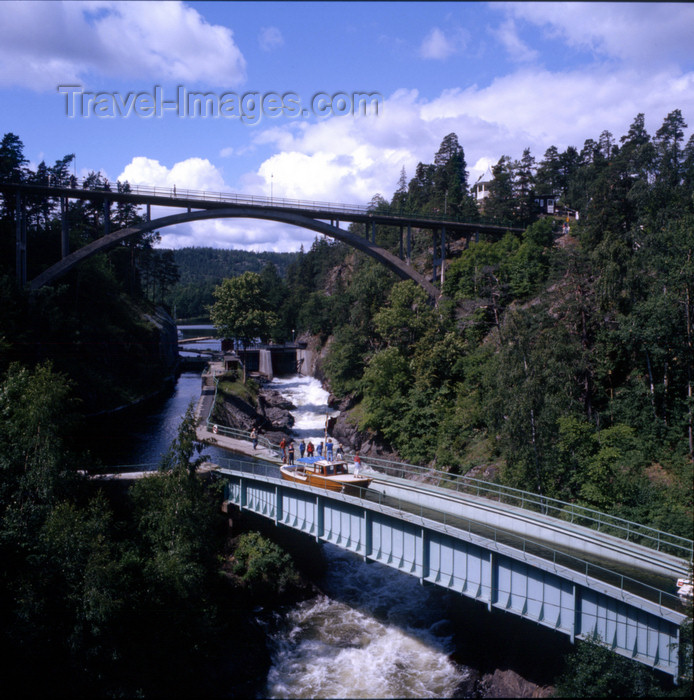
column 325, row 474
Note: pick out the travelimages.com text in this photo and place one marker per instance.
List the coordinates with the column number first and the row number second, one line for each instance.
column 248, row 107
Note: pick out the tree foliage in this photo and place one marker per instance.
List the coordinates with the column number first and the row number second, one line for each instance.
column 241, row 311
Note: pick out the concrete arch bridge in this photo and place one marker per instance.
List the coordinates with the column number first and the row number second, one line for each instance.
column 321, row 217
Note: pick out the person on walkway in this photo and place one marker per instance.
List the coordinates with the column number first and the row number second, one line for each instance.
column 329, row 449
column 302, row 448
column 357, row 464
column 283, row 447
column 254, row 437
column 290, row 449
column 320, row 449
column 309, row 449
column 340, row 454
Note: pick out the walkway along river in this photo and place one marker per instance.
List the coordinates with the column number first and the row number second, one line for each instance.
column 374, row 632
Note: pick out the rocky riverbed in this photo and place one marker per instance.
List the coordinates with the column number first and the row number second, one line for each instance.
column 494, row 673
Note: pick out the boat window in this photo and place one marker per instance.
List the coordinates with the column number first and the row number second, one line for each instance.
column 340, row 469
column 329, row 469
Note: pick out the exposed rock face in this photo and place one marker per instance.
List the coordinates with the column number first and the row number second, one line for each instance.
column 272, row 417
column 508, row 684
column 276, row 411
column 344, row 431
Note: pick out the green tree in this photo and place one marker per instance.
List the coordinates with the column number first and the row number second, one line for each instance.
column 12, row 158
column 241, row 310
column 593, row 671
column 501, row 205
column 264, row 568
column 406, row 317
column 346, row 360
column 450, row 180
column 524, row 188
column 36, row 413
column 529, row 265
column 385, row 386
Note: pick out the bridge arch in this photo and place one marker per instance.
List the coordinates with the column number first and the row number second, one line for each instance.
column 392, row 262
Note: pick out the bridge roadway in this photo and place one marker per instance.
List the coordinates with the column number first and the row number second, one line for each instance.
column 562, row 575
column 198, row 199
column 200, row 206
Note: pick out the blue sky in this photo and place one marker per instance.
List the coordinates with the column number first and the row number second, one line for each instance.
column 502, row 76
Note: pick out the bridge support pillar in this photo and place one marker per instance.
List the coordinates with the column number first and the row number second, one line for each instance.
column 21, row 235
column 443, row 253
column 278, row 504
column 493, row 580
column 576, row 612
column 434, row 259
column 148, row 216
column 319, row 518
column 409, row 244
column 439, row 253
column 425, row 557
column 373, row 232
column 64, row 234
column 107, row 217
column 401, row 232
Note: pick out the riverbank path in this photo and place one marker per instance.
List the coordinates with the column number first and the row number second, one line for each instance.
column 235, row 445
column 203, row 411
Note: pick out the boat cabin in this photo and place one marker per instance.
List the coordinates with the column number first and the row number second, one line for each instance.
column 317, row 465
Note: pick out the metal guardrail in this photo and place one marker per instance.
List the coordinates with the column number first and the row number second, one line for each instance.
column 569, row 512
column 498, row 536
column 562, row 510
column 259, row 200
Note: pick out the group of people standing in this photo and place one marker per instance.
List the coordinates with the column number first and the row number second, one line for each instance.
column 309, row 450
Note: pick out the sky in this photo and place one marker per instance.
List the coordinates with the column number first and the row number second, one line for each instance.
column 326, row 101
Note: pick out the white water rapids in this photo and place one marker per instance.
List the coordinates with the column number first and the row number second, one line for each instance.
column 376, row 633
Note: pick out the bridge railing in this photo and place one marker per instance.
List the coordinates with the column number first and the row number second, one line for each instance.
column 262, row 200
column 570, row 512
column 498, row 536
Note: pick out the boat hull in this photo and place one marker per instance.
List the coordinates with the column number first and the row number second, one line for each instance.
column 310, row 475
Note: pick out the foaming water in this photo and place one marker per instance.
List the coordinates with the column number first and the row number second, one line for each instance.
column 311, row 401
column 376, row 633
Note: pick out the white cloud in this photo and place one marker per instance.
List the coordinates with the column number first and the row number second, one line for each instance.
column 436, row 45
column 507, row 34
column 270, row 38
column 48, row 43
column 645, row 34
column 350, row 160
column 199, row 174
column 191, row 174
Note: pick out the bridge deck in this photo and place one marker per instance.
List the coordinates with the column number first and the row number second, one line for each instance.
column 496, row 567
column 619, row 572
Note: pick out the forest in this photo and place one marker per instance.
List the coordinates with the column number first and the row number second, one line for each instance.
column 200, row 270
column 557, row 361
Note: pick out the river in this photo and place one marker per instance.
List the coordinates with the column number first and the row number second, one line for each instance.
column 375, row 632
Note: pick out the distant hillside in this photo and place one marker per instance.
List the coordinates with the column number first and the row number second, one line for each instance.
column 202, row 269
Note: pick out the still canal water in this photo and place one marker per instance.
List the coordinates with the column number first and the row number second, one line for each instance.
column 373, row 633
